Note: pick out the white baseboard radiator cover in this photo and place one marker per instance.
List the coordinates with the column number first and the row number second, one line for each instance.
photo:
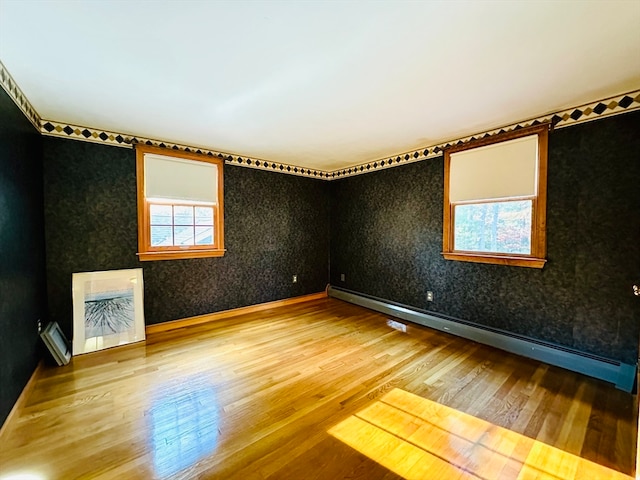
column 612, row 371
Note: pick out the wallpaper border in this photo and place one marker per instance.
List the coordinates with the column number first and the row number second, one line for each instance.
column 591, row 111
column 614, row 105
column 87, row 134
column 19, row 98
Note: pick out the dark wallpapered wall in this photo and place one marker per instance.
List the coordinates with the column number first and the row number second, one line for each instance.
column 386, row 237
column 276, row 226
column 22, row 275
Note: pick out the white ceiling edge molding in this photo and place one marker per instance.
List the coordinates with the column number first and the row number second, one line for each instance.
column 618, row 104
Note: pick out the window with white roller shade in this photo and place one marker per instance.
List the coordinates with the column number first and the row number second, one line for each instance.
column 495, row 199
column 501, row 170
column 180, row 204
column 179, row 179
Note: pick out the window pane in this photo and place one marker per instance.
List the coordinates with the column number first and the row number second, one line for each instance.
column 183, row 235
column 160, row 214
column 183, row 216
column 500, row 227
column 161, row 236
column 204, row 216
column 204, row 235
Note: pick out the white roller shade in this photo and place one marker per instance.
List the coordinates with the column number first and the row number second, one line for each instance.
column 500, row 170
column 179, row 179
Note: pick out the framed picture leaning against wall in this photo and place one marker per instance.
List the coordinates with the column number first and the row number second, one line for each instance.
column 107, row 309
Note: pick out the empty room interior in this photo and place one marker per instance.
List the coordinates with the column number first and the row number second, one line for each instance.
column 319, row 240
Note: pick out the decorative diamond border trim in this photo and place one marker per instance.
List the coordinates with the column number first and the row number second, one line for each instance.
column 19, row 98
column 572, row 116
column 77, row 132
column 592, row 111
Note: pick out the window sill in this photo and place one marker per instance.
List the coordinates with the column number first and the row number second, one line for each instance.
column 179, row 254
column 530, row 262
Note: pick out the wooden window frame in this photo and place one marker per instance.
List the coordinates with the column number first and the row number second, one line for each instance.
column 537, row 257
column 148, row 253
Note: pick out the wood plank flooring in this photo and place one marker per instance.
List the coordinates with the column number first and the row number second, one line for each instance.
column 318, row 390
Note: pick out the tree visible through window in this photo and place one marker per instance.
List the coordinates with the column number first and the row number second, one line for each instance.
column 503, row 227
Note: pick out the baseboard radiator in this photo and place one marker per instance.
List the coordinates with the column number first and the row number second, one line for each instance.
column 612, row 371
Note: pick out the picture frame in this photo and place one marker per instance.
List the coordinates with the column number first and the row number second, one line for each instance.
column 108, row 309
column 57, row 343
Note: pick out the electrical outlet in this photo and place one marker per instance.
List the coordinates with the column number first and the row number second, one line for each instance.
column 295, row 279
column 342, row 277
column 429, row 296
column 39, row 323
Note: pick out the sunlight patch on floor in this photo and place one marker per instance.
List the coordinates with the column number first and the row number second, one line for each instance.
column 417, row 438
column 23, row 476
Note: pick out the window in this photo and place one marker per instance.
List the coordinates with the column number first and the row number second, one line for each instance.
column 180, row 211
column 495, row 199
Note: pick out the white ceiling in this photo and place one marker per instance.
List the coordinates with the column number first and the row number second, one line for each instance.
column 320, row 84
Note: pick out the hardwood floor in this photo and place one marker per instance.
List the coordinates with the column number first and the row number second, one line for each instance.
column 318, row 390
